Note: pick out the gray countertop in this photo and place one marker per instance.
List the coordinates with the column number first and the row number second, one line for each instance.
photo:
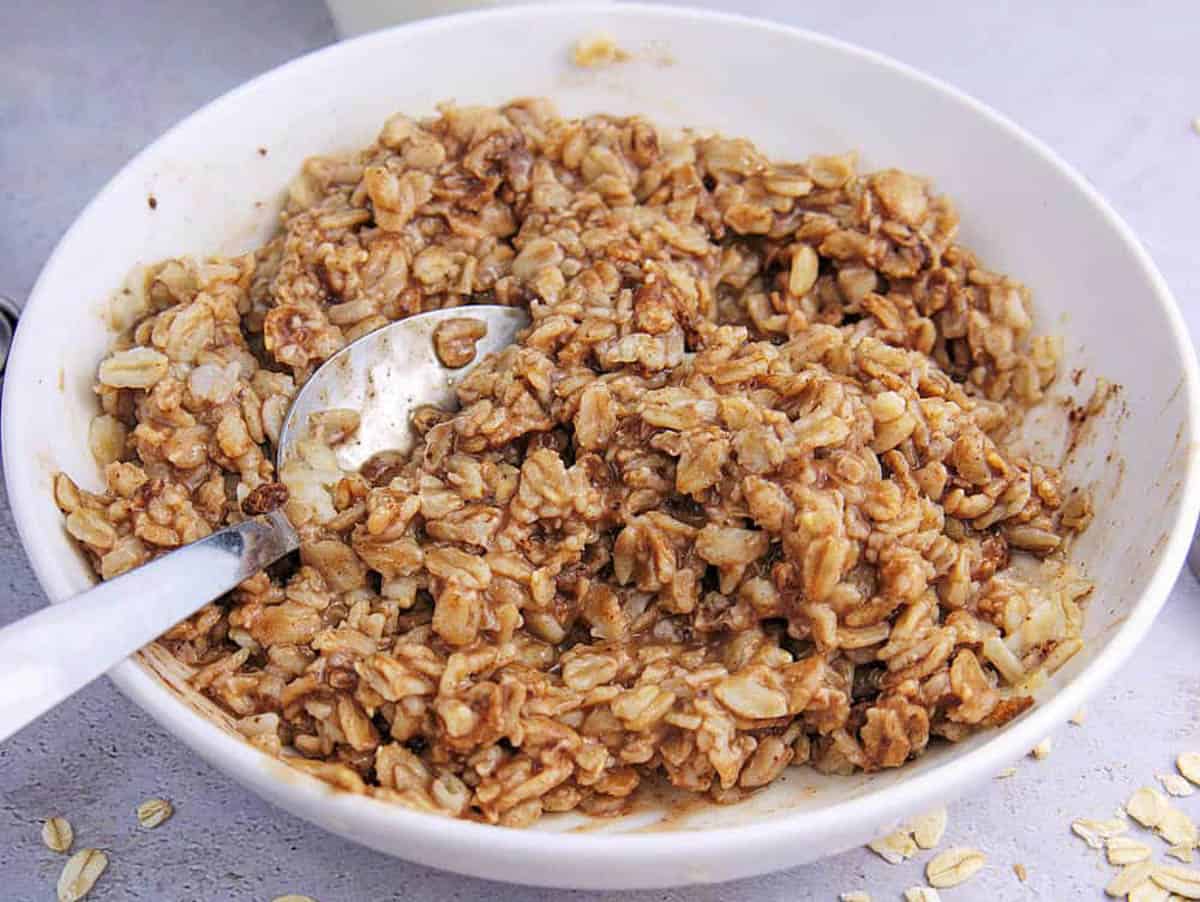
column 1111, row 87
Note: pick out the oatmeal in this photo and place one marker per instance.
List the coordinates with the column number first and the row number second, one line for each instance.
column 743, row 496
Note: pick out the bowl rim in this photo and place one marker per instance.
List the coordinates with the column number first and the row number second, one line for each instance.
column 304, row 795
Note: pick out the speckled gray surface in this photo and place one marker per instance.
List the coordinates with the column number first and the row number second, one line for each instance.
column 84, row 86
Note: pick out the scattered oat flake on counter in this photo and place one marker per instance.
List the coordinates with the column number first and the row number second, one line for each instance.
column 1181, row 881
column 895, row 847
column 1147, row 806
column 1021, row 872
column 1123, row 850
column 1175, row 785
column 1130, row 878
column 1079, row 717
column 921, row 894
column 854, row 897
column 954, row 866
column 153, row 812
column 927, row 829
column 292, row 897
column 1149, row 892
column 1189, row 765
column 1177, row 828
column 1183, row 852
column 1006, row 773
column 57, row 834
column 1196, row 125
column 1041, row 751
column 80, row 874
column 597, row 50
column 1095, row 833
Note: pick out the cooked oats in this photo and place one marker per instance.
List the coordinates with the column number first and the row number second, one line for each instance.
column 744, row 496
column 153, row 812
column 57, row 834
column 80, row 874
column 954, row 866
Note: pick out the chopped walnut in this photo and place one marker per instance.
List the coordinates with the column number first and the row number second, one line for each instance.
column 454, row 340
column 265, row 498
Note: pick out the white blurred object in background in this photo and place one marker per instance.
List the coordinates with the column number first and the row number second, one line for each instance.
column 355, row 17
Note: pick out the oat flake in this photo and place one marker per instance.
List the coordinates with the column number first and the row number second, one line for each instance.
column 1123, row 850
column 57, row 834
column 954, row 866
column 1175, row 785
column 1094, row 833
column 153, row 812
column 1149, row 892
column 921, row 894
column 1130, row 878
column 928, row 829
column 1147, row 806
column 1182, row 881
column 894, row 848
column 1189, row 765
column 1177, row 828
column 1183, row 852
column 80, row 874
column 596, row 51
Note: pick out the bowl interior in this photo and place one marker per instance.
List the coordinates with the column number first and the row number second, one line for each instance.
column 792, row 93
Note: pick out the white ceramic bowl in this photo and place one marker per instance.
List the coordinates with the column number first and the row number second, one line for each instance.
column 1024, row 210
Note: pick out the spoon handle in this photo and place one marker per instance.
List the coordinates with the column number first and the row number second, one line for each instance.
column 48, row 656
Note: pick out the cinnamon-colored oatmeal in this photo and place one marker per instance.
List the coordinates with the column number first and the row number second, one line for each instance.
column 742, row 497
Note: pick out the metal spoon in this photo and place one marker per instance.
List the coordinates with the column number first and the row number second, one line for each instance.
column 9, row 311
column 384, row 375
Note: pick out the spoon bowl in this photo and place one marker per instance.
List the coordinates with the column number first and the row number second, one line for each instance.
column 383, row 376
column 388, row 373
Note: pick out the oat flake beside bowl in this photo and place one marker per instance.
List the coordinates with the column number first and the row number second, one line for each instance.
column 781, row 825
